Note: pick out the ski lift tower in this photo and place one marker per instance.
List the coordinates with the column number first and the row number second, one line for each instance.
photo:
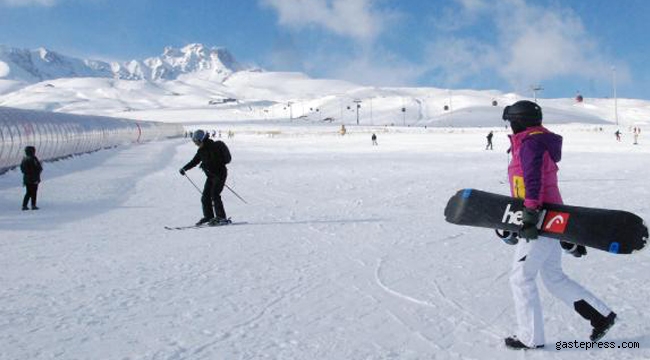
column 535, row 89
column 403, row 109
column 615, row 97
column 290, row 109
column 358, row 102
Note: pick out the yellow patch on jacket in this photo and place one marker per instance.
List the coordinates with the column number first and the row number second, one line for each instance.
column 518, row 187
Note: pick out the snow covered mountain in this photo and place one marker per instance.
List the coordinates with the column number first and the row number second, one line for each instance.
column 197, row 84
column 175, row 62
column 32, row 66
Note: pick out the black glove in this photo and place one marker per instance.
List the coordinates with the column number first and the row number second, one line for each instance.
column 529, row 221
column 182, row 171
column 508, row 237
column 574, row 249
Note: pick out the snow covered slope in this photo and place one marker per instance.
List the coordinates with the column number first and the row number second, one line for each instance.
column 346, row 254
column 200, row 84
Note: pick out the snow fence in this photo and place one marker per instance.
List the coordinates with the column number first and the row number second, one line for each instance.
column 58, row 135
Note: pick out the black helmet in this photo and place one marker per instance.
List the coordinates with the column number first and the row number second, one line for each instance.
column 198, row 136
column 525, row 110
column 523, row 114
column 30, row 150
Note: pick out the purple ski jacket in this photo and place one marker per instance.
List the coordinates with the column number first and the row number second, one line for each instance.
column 533, row 169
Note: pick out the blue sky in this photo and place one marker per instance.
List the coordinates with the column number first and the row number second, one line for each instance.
column 508, row 45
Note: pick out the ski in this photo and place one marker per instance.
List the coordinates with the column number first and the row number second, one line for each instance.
column 206, row 225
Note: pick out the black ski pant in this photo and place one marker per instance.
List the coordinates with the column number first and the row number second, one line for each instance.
column 211, row 198
column 30, row 193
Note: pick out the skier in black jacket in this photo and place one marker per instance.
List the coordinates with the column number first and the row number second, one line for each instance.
column 31, row 169
column 489, row 140
column 213, row 157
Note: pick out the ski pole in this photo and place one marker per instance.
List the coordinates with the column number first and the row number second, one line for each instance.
column 237, row 195
column 226, row 185
column 190, row 180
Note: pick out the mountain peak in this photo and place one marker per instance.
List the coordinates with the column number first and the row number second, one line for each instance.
column 194, row 48
column 42, row 52
column 44, row 64
column 171, row 52
column 48, row 56
column 195, row 57
column 191, row 58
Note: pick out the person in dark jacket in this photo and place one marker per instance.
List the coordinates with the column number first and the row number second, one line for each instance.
column 213, row 157
column 31, row 169
column 489, row 140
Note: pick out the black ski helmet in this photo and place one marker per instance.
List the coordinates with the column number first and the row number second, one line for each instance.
column 523, row 114
column 198, row 136
column 30, row 150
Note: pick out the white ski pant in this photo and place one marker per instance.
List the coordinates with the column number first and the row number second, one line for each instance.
column 543, row 256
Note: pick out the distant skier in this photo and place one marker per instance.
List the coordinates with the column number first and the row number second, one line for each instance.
column 213, row 157
column 489, row 141
column 343, row 130
column 31, row 169
column 374, row 139
column 618, row 135
column 533, row 177
column 637, row 131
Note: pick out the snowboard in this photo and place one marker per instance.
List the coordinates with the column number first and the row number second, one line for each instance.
column 614, row 231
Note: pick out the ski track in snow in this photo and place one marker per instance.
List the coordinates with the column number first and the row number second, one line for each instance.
column 346, row 254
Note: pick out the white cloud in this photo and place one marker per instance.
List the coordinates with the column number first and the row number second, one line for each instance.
column 28, row 2
column 356, row 19
column 378, row 69
column 514, row 41
column 361, row 21
column 531, row 44
column 540, row 43
column 456, row 59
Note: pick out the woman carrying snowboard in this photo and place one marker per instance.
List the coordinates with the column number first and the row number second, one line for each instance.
column 533, row 177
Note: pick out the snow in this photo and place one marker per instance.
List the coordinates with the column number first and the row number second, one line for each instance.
column 189, row 85
column 7, row 86
column 265, row 97
column 346, row 254
column 4, row 69
column 32, row 66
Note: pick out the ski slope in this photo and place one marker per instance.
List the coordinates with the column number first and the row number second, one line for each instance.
column 346, row 254
column 272, row 97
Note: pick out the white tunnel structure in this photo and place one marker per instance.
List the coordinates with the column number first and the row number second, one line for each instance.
column 58, row 135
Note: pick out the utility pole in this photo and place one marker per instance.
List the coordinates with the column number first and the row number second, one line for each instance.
column 358, row 102
column 615, row 97
column 403, row 113
column 535, row 89
column 451, row 109
column 290, row 110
